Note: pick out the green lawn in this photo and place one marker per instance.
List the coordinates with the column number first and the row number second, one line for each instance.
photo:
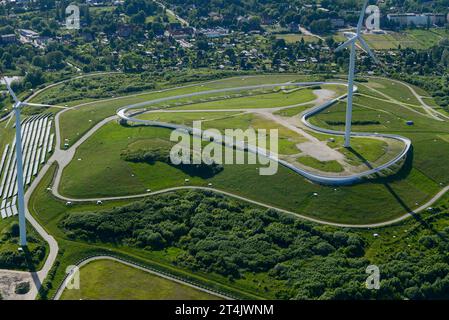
column 326, row 166
column 76, row 122
column 111, row 280
column 290, row 112
column 394, row 89
column 186, row 118
column 101, row 172
column 270, row 100
column 415, row 39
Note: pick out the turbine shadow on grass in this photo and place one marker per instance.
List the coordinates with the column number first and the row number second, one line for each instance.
column 401, row 174
column 31, row 267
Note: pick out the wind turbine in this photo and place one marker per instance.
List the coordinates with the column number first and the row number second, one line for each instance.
column 351, row 43
column 19, row 158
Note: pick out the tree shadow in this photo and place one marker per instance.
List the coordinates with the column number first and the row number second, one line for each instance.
column 31, row 267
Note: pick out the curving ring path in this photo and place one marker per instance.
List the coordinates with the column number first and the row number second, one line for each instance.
column 122, row 113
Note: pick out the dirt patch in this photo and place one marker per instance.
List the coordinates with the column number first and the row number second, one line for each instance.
column 320, row 151
column 8, row 282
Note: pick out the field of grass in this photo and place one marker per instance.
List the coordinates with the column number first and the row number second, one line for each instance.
column 108, row 175
column 76, row 122
column 414, row 39
column 290, row 112
column 326, row 166
column 428, row 147
column 186, row 118
column 270, row 100
column 288, row 139
column 394, row 89
column 111, row 280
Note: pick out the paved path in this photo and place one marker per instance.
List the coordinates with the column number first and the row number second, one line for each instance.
column 146, row 269
column 431, row 112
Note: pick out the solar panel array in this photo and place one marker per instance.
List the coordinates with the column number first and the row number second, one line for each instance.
column 37, row 143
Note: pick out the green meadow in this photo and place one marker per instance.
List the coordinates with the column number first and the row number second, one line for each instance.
column 112, row 280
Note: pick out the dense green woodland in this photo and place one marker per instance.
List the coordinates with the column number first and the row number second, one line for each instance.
column 219, row 235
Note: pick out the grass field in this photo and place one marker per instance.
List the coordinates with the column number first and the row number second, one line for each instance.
column 394, row 89
column 290, row 112
column 101, row 172
column 270, row 100
column 414, row 39
column 326, row 166
column 111, row 280
column 76, row 122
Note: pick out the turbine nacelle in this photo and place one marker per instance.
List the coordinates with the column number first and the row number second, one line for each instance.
column 18, row 104
column 353, row 37
column 349, row 35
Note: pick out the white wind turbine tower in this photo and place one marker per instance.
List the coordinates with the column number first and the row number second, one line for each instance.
column 19, row 157
column 353, row 38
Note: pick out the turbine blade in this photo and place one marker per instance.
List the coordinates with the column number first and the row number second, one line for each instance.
column 11, row 92
column 368, row 50
column 362, row 15
column 40, row 105
column 346, row 44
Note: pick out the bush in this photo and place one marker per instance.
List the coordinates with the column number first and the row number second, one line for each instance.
column 22, row 288
column 202, row 170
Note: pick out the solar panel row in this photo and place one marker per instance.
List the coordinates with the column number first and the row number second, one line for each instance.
column 36, row 140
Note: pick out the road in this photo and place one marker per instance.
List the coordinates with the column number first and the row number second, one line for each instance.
column 183, row 22
column 431, row 111
column 306, row 32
